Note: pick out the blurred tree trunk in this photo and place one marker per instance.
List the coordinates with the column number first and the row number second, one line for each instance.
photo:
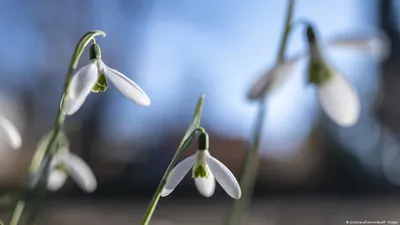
column 388, row 107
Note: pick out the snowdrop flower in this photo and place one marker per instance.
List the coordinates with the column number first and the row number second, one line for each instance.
column 65, row 163
column 13, row 137
column 337, row 96
column 93, row 78
column 206, row 169
column 273, row 78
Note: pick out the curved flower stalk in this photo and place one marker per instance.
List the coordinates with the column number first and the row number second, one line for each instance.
column 240, row 208
column 93, row 78
column 206, row 169
column 337, row 96
column 65, row 164
column 209, row 167
column 13, row 137
column 41, row 162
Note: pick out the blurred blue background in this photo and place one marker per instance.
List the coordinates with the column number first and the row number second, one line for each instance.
column 177, row 50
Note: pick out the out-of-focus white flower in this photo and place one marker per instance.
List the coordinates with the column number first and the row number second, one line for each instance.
column 273, row 78
column 206, row 169
column 93, row 77
column 336, row 94
column 66, row 164
column 13, row 137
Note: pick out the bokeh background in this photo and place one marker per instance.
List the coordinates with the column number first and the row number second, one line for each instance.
column 312, row 171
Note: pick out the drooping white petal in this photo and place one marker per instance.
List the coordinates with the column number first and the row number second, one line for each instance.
column 57, row 177
column 206, row 186
column 274, row 78
column 224, row 177
column 56, row 180
column 81, row 173
column 374, row 45
column 13, row 136
column 177, row 174
column 339, row 100
column 80, row 87
column 126, row 86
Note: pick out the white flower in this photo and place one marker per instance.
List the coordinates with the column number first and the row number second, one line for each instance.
column 206, row 169
column 65, row 163
column 336, row 94
column 339, row 100
column 93, row 77
column 13, row 137
column 273, row 78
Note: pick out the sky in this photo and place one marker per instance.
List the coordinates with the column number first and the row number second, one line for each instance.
column 219, row 49
column 177, row 51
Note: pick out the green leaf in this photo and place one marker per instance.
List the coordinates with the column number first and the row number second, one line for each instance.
column 195, row 121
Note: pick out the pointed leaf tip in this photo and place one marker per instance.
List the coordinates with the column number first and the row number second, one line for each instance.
column 195, row 121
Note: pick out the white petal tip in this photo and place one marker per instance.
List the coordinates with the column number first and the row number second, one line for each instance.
column 348, row 123
column 13, row 139
column 340, row 101
column 165, row 192
column 67, row 113
column 90, row 189
column 177, row 174
column 206, row 186
column 144, row 102
column 69, row 109
column 16, row 145
column 237, row 194
column 81, row 173
column 126, row 86
column 56, row 180
column 224, row 177
column 207, row 195
column 89, row 185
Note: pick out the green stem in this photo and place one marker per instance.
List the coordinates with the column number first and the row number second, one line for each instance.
column 59, row 121
column 19, row 208
column 250, row 170
column 153, row 204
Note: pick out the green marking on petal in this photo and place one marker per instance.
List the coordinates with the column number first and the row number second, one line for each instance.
column 101, row 85
column 200, row 172
column 102, row 80
column 62, row 167
column 96, row 88
column 318, row 72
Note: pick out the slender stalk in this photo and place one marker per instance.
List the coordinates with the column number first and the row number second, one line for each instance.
column 153, row 204
column 240, row 207
column 58, row 124
column 19, row 208
column 38, row 199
